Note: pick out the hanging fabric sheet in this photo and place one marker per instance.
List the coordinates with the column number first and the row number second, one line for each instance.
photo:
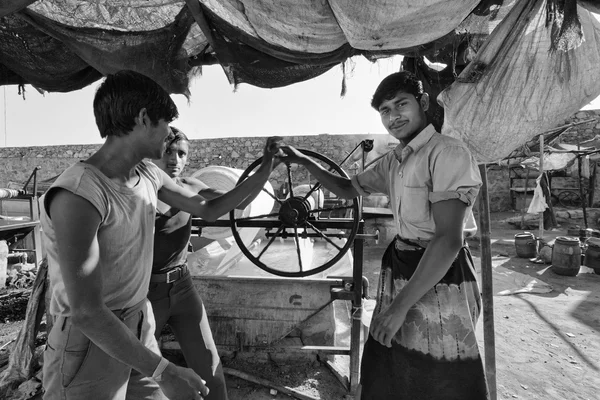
column 538, row 203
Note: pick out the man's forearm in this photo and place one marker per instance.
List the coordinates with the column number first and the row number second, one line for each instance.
column 341, row 186
column 107, row 332
column 434, row 265
column 240, row 193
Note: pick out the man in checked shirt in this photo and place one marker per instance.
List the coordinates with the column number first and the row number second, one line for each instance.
column 422, row 341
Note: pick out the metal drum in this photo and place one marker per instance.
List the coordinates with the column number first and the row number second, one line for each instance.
column 525, row 245
column 592, row 254
column 566, row 256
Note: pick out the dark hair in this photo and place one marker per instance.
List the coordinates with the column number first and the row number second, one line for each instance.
column 403, row 81
column 120, row 98
column 176, row 136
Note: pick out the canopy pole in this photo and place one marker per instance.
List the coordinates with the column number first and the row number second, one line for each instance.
column 489, row 340
column 541, row 235
column 581, row 191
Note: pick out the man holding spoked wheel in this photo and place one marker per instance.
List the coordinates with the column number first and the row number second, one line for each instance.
column 422, row 341
column 98, row 222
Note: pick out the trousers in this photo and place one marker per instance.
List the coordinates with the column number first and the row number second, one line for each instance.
column 179, row 305
column 75, row 368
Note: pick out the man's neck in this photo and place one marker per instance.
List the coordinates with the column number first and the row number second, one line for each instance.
column 117, row 159
column 414, row 135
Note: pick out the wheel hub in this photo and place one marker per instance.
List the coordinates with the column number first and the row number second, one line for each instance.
column 294, row 211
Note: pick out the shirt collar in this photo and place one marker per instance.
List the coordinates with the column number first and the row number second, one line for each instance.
column 416, row 144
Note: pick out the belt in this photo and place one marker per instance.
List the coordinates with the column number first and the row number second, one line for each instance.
column 410, row 245
column 172, row 275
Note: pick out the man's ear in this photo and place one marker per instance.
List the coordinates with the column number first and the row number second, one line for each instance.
column 424, row 101
column 142, row 118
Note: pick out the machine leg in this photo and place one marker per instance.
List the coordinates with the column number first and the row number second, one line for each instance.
column 356, row 327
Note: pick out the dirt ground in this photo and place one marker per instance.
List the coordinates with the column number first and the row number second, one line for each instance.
column 547, row 340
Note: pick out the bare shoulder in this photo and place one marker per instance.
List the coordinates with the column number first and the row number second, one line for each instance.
column 193, row 184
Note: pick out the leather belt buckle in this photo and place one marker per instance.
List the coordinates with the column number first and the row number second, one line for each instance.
column 176, row 272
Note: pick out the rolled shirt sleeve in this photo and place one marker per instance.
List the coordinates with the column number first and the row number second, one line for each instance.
column 375, row 179
column 454, row 175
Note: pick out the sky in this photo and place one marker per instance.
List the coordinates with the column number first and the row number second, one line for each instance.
column 215, row 110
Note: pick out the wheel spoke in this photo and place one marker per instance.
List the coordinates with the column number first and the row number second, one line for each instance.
column 298, row 248
column 272, row 195
column 323, row 236
column 270, row 242
column 312, row 190
column 256, row 217
column 289, row 173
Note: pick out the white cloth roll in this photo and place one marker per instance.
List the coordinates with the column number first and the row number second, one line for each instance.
column 225, row 178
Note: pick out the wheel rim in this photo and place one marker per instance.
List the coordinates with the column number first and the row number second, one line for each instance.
column 298, row 220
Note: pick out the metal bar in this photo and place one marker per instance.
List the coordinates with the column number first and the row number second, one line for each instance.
column 270, row 243
column 356, row 326
column 272, row 195
column 174, row 345
column 318, row 184
column 298, row 251
column 310, row 235
column 257, row 216
column 289, row 174
column 487, row 284
column 331, row 209
column 336, row 223
column 324, row 236
column 312, row 190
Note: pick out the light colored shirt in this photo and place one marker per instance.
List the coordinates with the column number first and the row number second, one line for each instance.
column 431, row 168
column 125, row 235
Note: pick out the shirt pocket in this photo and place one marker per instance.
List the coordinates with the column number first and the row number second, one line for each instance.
column 414, row 206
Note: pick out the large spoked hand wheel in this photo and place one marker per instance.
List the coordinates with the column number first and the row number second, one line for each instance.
column 305, row 233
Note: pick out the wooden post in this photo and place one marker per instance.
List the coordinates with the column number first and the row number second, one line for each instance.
column 541, row 235
column 487, row 284
column 581, row 191
column 524, row 197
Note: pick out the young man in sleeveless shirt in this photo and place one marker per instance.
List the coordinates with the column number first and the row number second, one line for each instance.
column 98, row 223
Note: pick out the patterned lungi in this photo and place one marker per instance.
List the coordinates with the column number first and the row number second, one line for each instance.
column 434, row 355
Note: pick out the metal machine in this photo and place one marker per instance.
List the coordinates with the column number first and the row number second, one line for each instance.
column 308, row 218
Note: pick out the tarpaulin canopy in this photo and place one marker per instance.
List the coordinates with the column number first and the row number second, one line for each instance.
column 63, row 45
column 490, row 47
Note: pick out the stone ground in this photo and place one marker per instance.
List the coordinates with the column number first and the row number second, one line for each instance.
column 547, row 338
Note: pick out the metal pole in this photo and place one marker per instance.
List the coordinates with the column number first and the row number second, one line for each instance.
column 541, row 235
column 487, row 284
column 357, row 273
column 581, row 192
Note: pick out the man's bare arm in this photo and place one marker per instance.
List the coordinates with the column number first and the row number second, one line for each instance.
column 209, row 193
column 210, row 210
column 341, row 186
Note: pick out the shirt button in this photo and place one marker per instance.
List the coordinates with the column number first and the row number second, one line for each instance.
column 400, row 174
